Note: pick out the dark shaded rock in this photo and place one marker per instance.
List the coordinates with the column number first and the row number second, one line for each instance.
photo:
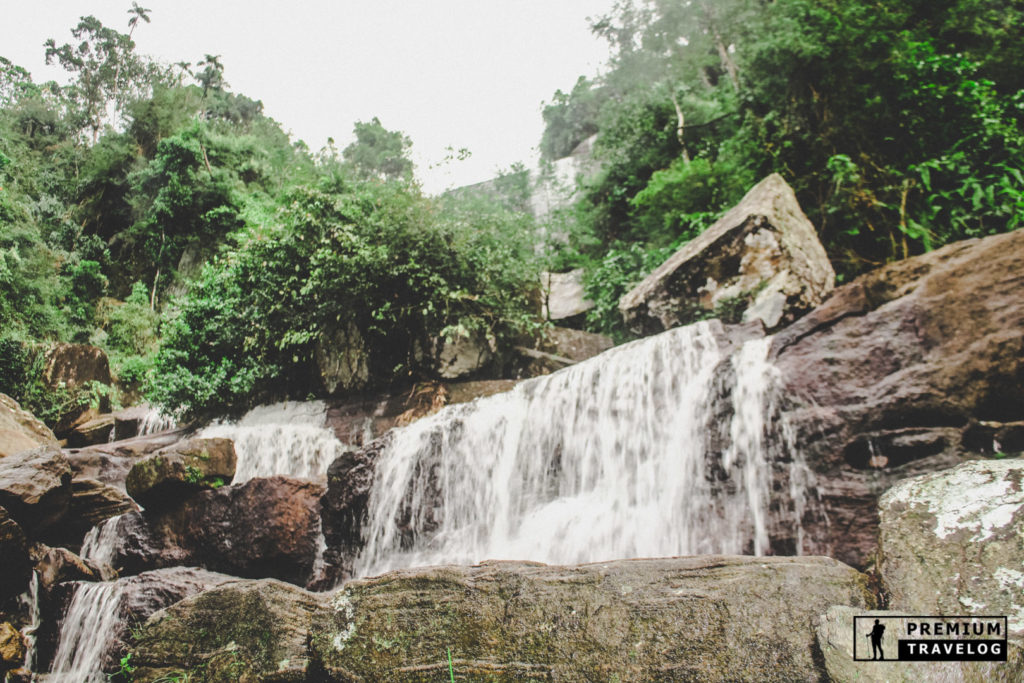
column 263, row 528
column 764, row 249
column 93, row 431
column 171, row 474
column 239, row 631
column 35, row 487
column 134, row 599
column 342, row 359
column 558, row 347
column 92, row 503
column 952, row 542
column 344, row 504
column 15, row 565
column 703, row 618
column 889, row 376
column 20, row 430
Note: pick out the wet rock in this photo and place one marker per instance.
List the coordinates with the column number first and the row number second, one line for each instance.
column 763, row 258
column 344, row 507
column 559, row 347
column 463, row 356
column 20, row 430
column 343, row 360
column 16, row 567
column 73, row 365
column 263, row 528
column 242, row 630
column 92, row 503
column 171, row 474
column 891, row 376
column 836, row 638
column 59, row 565
column 952, row 542
column 35, row 487
column 708, row 618
column 110, row 463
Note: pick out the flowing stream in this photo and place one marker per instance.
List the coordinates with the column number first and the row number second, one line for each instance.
column 286, row 438
column 90, row 624
column 623, row 455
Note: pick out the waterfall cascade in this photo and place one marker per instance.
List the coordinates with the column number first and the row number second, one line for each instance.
column 99, row 544
column 90, row 624
column 286, row 438
column 31, row 600
column 154, row 422
column 629, row 454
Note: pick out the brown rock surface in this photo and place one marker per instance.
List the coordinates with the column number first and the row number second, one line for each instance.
column 20, row 430
column 16, row 567
column 173, row 473
column 35, row 487
column 888, row 378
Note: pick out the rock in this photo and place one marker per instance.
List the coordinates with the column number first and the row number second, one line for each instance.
column 12, row 648
column 700, row 618
column 564, row 299
column 464, row 355
column 134, row 599
column 93, row 431
column 262, row 528
column 35, row 487
column 239, row 631
column 110, row 463
column 139, row 420
column 343, row 360
column 764, row 249
column 891, row 377
column 92, row 503
column 72, row 365
column 952, row 542
column 59, row 565
column 344, row 507
column 835, row 638
column 16, row 567
column 176, row 472
column 559, row 347
column 360, row 421
column 20, row 430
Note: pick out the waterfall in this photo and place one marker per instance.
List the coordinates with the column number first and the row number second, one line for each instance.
column 101, row 541
column 89, row 626
column 635, row 453
column 31, row 600
column 288, row 438
column 154, row 422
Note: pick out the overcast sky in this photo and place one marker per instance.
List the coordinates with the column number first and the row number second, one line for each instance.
column 460, row 73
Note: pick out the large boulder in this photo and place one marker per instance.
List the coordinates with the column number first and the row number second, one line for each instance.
column 902, row 372
column 952, row 542
column 60, row 565
column 564, row 300
column 110, row 463
column 239, row 631
column 263, row 528
column 92, row 431
column 702, row 618
column 35, row 487
column 12, row 648
column 72, row 365
column 20, row 430
column 343, row 359
column 171, row 474
column 764, row 253
column 463, row 355
column 92, row 503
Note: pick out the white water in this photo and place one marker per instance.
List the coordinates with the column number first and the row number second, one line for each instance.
column 89, row 626
column 154, row 422
column 31, row 600
column 607, row 459
column 101, row 541
column 288, row 438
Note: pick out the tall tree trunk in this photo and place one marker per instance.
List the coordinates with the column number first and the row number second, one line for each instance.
column 680, row 127
column 723, row 50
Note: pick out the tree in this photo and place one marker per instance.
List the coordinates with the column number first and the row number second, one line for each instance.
column 378, row 152
column 212, row 75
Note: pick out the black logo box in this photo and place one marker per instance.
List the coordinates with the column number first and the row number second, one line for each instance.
column 963, row 649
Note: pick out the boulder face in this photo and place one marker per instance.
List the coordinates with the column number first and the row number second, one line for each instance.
column 91, row 432
column 763, row 257
column 904, row 371
column 343, row 360
column 952, row 542
column 16, row 567
column 564, row 300
column 92, row 503
column 463, row 356
column 262, row 528
column 35, row 487
column 110, row 463
column 239, row 631
column 75, row 364
column 173, row 473
column 20, row 430
column 701, row 618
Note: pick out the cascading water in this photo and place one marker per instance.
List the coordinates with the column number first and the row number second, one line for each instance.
column 154, row 422
column 286, row 438
column 31, row 601
column 101, row 541
column 612, row 458
column 89, row 626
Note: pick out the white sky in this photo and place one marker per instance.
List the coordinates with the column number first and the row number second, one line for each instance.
column 464, row 73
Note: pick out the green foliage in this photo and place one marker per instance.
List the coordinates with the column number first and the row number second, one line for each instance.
column 569, row 119
column 378, row 152
column 621, row 268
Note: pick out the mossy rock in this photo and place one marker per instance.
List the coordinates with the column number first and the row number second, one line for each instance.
column 174, row 473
